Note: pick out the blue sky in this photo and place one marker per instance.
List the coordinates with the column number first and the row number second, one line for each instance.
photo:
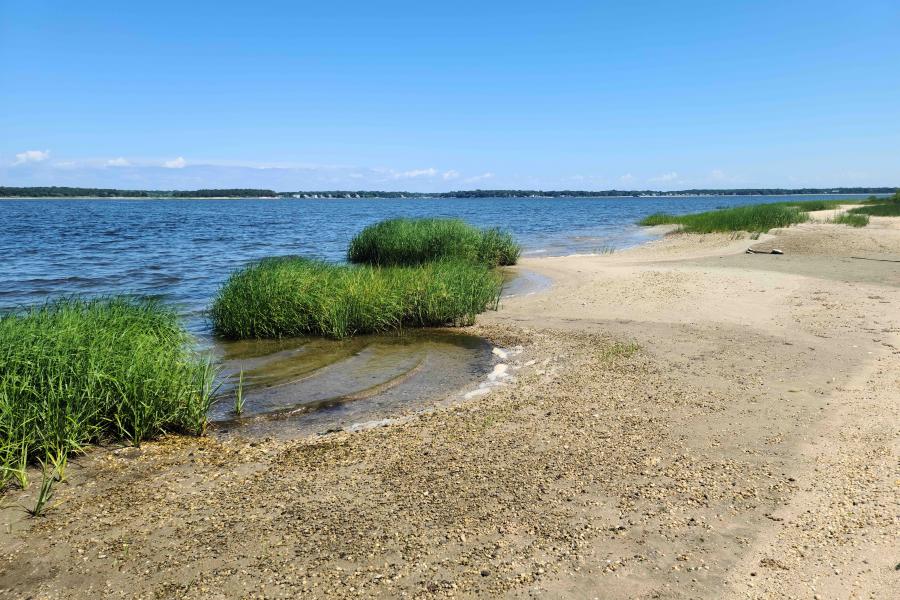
column 439, row 96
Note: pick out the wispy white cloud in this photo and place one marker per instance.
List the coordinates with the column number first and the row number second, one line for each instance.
column 415, row 173
column 588, row 178
column 67, row 164
column 179, row 173
column 666, row 177
column 481, row 177
column 31, row 156
column 720, row 176
column 178, row 163
column 627, row 178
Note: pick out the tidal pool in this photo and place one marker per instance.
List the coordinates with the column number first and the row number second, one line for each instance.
column 523, row 282
column 301, row 386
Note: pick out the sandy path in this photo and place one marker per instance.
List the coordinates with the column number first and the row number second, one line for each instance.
column 686, row 420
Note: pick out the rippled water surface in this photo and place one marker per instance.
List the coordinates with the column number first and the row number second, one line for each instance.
column 182, row 250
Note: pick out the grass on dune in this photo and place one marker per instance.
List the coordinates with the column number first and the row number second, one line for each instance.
column 877, row 210
column 417, row 241
column 760, row 218
column 851, row 219
column 754, row 218
column 292, row 296
column 895, row 199
column 878, row 207
column 812, row 205
column 74, row 372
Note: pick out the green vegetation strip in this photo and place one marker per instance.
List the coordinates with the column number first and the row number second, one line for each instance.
column 73, row 372
column 760, row 218
column 756, row 218
column 418, row 241
column 852, row 220
column 888, row 207
column 875, row 207
column 292, row 296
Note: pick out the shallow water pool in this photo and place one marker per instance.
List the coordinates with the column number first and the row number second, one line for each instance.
column 302, row 386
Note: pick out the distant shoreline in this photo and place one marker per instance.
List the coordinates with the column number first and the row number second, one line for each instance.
column 83, row 193
column 440, row 197
column 140, row 198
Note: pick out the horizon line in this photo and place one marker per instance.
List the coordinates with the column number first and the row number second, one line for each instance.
column 72, row 191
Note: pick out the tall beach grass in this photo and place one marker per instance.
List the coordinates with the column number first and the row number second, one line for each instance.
column 293, row 296
column 417, row 241
column 851, row 219
column 760, row 218
column 73, row 372
column 878, row 210
column 895, row 199
column 754, row 218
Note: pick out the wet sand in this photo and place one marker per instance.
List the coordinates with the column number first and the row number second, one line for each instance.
column 684, row 421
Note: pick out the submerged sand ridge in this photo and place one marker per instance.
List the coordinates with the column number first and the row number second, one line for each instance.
column 685, row 420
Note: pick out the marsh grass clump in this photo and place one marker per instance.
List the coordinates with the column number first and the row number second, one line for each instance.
column 760, row 218
column 892, row 209
column 852, row 220
column 811, row 205
column 754, row 218
column 74, row 372
column 658, row 219
column 417, row 241
column 895, row 199
column 293, row 296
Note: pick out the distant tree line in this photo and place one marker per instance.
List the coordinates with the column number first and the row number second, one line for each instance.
column 227, row 193
column 72, row 192
column 591, row 194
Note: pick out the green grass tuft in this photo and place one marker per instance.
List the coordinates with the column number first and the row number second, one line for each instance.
column 658, row 219
column 74, row 372
column 895, row 199
column 44, row 495
column 811, row 205
column 853, row 220
column 418, row 241
column 760, row 218
column 878, row 210
column 619, row 350
column 754, row 218
column 293, row 296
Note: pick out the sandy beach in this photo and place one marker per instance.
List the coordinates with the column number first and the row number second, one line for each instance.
column 684, row 420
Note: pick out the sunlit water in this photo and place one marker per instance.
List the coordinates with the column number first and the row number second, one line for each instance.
column 182, row 250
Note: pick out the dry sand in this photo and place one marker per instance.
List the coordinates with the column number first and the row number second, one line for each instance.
column 685, row 421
